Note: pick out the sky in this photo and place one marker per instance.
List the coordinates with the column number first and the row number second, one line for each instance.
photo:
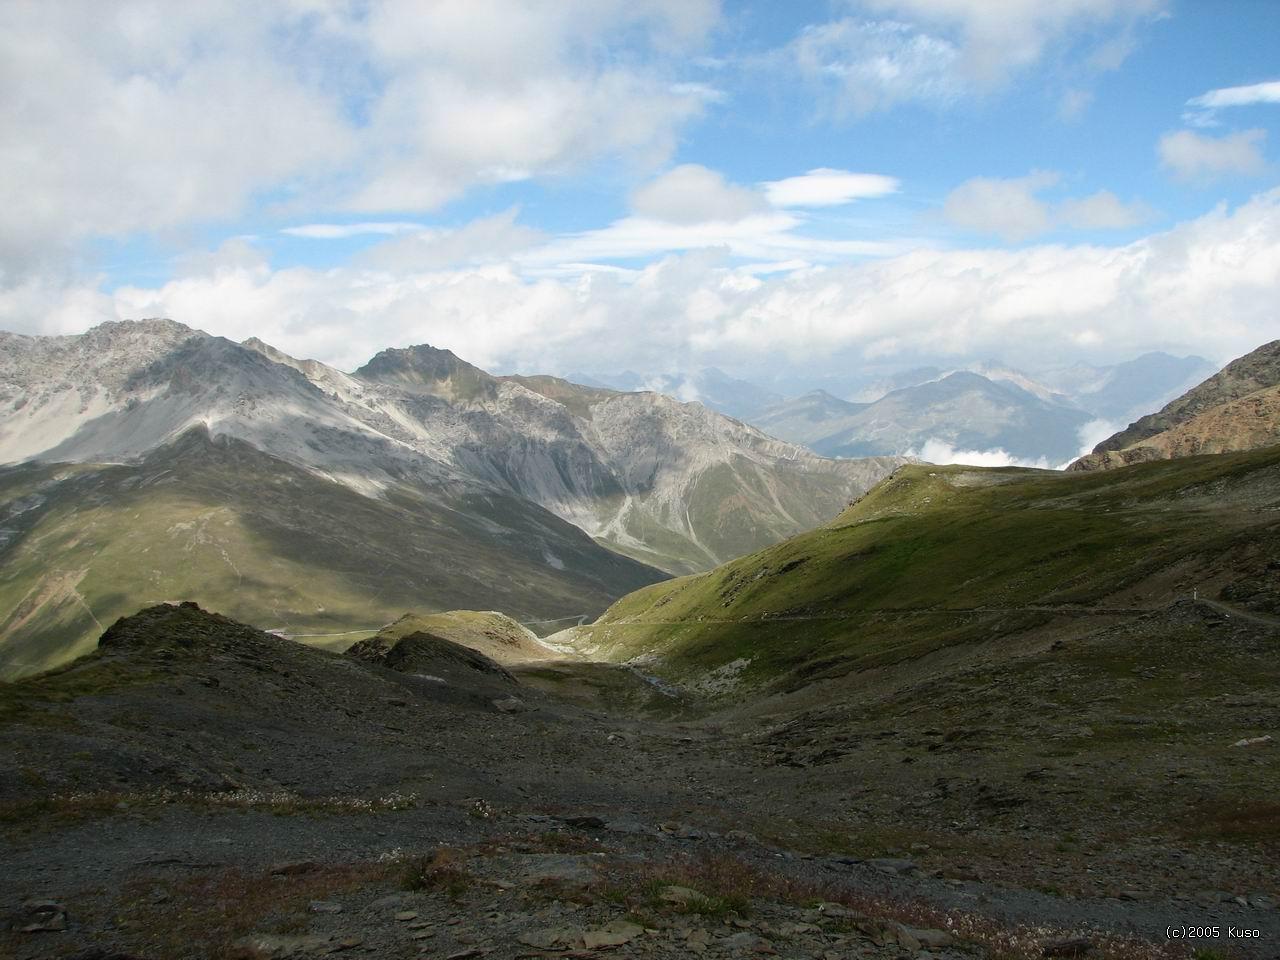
column 780, row 190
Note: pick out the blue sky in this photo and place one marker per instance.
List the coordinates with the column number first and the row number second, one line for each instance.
column 593, row 185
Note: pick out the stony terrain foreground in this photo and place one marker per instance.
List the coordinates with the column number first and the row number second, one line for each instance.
column 197, row 788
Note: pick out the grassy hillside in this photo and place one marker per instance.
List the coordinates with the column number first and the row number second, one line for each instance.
column 936, row 557
column 267, row 543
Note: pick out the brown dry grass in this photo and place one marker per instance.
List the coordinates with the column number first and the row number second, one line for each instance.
column 205, row 915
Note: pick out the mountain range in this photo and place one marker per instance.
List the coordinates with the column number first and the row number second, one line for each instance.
column 1237, row 408
column 964, row 411
column 979, row 707
column 156, row 461
column 984, row 407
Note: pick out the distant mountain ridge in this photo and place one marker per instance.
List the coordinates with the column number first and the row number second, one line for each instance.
column 810, row 419
column 963, row 410
column 1054, row 406
column 1237, row 408
column 1123, row 391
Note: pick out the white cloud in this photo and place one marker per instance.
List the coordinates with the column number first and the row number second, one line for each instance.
column 235, row 254
column 1094, row 432
column 490, row 91
column 691, row 194
column 873, row 65
column 769, row 237
column 941, row 452
column 1103, row 211
column 1012, row 208
column 1205, row 107
column 997, row 38
column 825, row 187
column 1190, row 156
column 937, row 51
column 146, row 120
column 1206, row 286
column 343, row 231
column 693, row 208
column 487, row 240
column 1008, row 207
column 155, row 117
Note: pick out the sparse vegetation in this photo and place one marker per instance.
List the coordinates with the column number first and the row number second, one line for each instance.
column 438, row 872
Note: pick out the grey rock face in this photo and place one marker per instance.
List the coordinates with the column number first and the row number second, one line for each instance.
column 672, row 484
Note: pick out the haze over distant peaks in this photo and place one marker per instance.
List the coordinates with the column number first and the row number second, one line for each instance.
column 1031, row 418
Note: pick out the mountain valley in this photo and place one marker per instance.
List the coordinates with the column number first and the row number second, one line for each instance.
column 346, row 499
column 1002, row 713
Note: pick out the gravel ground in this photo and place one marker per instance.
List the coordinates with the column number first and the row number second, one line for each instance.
column 165, row 802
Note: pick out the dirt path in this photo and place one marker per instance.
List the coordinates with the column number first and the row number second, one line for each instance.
column 1231, row 610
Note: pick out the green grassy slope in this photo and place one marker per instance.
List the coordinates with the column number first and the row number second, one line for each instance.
column 938, row 556
column 256, row 539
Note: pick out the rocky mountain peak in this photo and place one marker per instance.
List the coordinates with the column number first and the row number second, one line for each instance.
column 422, row 366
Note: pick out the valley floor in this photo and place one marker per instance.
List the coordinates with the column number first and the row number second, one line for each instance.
column 253, row 806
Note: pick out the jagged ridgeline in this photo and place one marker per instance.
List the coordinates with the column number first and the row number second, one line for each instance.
column 152, row 462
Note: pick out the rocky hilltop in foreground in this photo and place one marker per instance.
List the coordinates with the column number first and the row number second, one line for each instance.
column 1237, row 408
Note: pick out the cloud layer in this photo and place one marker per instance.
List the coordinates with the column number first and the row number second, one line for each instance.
column 121, row 117
column 1208, row 285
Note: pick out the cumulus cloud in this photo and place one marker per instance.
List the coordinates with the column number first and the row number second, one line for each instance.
column 1206, row 286
column 1007, row 207
column 136, row 115
column 1191, row 156
column 1013, row 209
column 825, row 187
column 123, row 117
column 940, row 50
column 694, row 194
